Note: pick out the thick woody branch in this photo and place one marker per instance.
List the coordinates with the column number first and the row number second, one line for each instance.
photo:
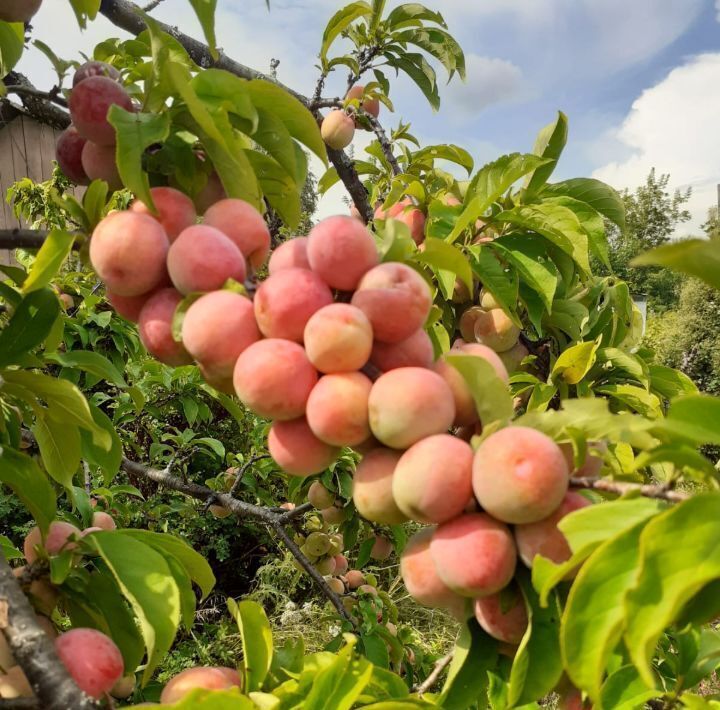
column 34, row 651
column 274, row 519
column 646, row 491
column 38, row 103
column 384, row 142
column 51, row 96
column 26, row 238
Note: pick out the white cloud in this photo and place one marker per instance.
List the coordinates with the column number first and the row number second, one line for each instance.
column 673, row 127
column 489, row 82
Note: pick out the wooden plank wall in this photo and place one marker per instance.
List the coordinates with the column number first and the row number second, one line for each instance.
column 27, row 149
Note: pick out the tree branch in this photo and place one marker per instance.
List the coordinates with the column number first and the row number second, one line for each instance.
column 34, row 651
column 25, row 239
column 621, row 488
column 51, row 96
column 38, row 103
column 384, row 142
column 273, row 519
column 440, row 666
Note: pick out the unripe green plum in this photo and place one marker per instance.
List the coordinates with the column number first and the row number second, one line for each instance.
column 128, row 252
column 503, row 615
column 482, row 539
column 338, row 338
column 92, row 659
column 291, row 254
column 372, row 487
column 337, row 129
column 341, row 251
column 124, row 688
column 318, row 544
column 319, row 496
column 175, row 210
column 336, row 544
column 274, row 378
column 495, row 329
column 326, row 566
column 513, row 358
column 295, row 448
column 466, row 325
column 533, row 472
column 243, row 225
column 286, row 301
column 488, row 301
column 408, row 404
column 333, row 515
column 396, row 300
column 432, row 481
column 207, row 677
column 155, row 328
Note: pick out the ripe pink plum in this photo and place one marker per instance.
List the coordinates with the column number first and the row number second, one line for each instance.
column 211, row 193
column 291, row 254
column 341, row 251
column 382, row 549
column 18, row 10
column 175, row 210
column 371, row 106
column 337, row 409
column 155, row 328
column 68, row 153
column 337, row 129
column 89, row 104
column 128, row 307
column 94, row 68
column 474, row 554
column 103, row 521
column 295, row 448
column 92, row 659
column 505, row 619
column 341, row 564
column 128, row 252
column 216, row 329
column 406, row 212
column 544, row 537
column 207, row 677
column 415, row 351
column 98, row 162
column 372, row 487
column 396, row 300
column 56, row 540
column 274, row 378
column 245, row 226
column 420, row 574
column 338, row 338
column 519, row 475
column 433, row 479
column 285, row 302
column 408, row 404
column 202, row 258
column 355, row 579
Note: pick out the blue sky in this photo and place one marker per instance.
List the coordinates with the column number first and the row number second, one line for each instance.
column 639, row 79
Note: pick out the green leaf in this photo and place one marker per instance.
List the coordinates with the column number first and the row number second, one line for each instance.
column 694, row 257
column 671, row 573
column 135, row 133
column 339, row 22
column 256, row 639
column 549, row 144
column 695, row 417
column 453, row 153
column 670, row 383
column 474, row 654
column 598, row 195
column 299, row 122
column 591, row 221
column 594, row 616
column 92, row 362
column 94, row 201
column 108, row 460
column 279, row 187
column 439, row 44
column 146, row 581
column 679, row 455
column 214, row 700
column 330, row 177
column 575, row 362
column 59, row 447
column 491, row 394
column 12, row 41
column 29, row 326
column 585, row 530
column 496, row 278
column 624, row 690
column 49, row 259
column 21, row 474
column 537, row 666
column 412, row 14
column 205, row 11
column 85, row 10
column 9, row 551
column 557, row 224
column 492, row 181
column 422, row 74
column 635, row 398
column 445, row 257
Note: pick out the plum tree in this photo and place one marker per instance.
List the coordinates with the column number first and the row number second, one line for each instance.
column 533, row 472
column 408, row 404
column 207, row 677
column 296, row 449
column 92, row 659
column 286, row 301
column 274, row 378
column 203, row 258
column 503, row 615
column 68, row 153
column 482, row 539
column 338, row 338
column 18, row 10
column 415, row 351
column 128, row 252
column 90, row 102
column 244, row 225
column 372, row 487
column 98, row 163
column 337, row 408
column 291, row 254
column 337, row 129
column 155, row 328
column 432, row 482
column 175, row 210
column 341, row 251
column 396, row 300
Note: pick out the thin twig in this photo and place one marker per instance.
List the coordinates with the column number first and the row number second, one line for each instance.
column 383, row 140
column 434, row 676
column 151, row 5
column 243, row 470
column 25, row 238
column 621, row 488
